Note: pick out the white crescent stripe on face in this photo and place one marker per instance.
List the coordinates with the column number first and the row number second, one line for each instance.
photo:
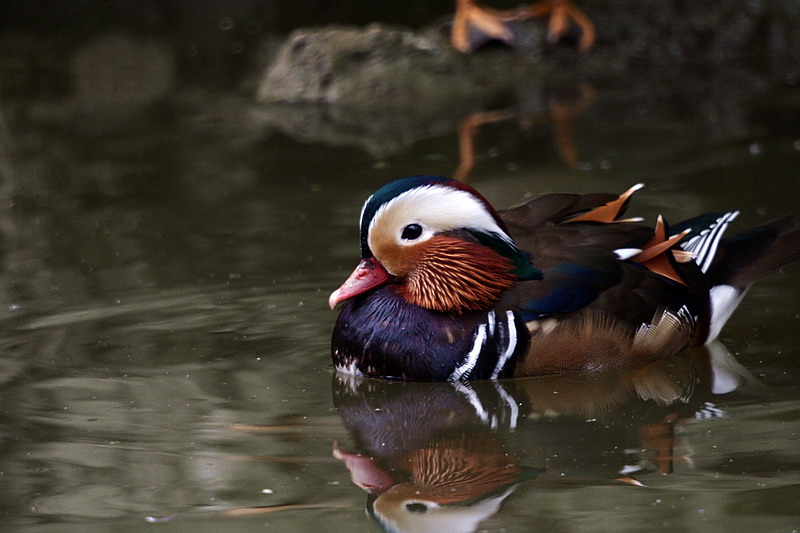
column 436, row 208
column 364, row 208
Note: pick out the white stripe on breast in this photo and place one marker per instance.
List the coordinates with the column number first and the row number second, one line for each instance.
column 471, row 360
column 512, row 344
column 492, row 320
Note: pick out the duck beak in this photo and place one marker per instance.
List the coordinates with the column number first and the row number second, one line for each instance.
column 368, row 274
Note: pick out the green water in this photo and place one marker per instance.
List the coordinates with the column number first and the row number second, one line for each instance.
column 164, row 363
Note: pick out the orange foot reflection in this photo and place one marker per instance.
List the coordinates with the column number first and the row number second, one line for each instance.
column 474, row 25
column 661, row 438
column 467, row 129
column 559, row 114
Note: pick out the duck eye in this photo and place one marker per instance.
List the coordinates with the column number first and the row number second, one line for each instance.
column 417, row 507
column 411, row 232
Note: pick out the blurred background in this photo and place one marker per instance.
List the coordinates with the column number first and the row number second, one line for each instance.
column 180, row 183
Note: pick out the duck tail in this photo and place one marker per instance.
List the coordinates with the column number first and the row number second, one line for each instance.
column 742, row 259
column 752, row 254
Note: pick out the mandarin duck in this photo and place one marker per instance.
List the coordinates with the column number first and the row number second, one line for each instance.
column 449, row 289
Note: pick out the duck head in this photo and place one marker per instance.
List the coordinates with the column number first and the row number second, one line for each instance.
column 440, row 241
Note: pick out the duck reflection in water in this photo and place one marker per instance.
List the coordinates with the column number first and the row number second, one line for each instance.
column 443, row 457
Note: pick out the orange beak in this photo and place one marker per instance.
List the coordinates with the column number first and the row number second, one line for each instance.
column 368, row 274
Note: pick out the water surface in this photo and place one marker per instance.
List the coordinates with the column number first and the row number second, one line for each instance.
column 164, row 362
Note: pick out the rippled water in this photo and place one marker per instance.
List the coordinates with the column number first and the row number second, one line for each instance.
column 164, row 360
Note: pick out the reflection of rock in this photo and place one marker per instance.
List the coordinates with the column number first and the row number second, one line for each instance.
column 118, row 70
column 377, row 131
